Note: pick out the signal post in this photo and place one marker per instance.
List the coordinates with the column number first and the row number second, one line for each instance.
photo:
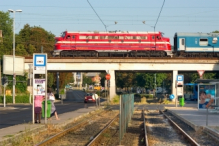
column 40, row 84
column 179, row 88
column 108, row 80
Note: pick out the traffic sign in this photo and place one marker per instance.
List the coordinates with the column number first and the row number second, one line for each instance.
column 179, row 77
column 200, row 72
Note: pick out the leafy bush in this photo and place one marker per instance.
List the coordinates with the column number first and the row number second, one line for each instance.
column 147, row 95
column 18, row 99
column 62, row 91
column 98, row 93
column 115, row 99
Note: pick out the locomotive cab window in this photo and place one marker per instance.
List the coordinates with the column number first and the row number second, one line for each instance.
column 203, row 42
column 68, row 37
column 73, row 37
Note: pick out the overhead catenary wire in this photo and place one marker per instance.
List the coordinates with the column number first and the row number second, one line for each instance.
column 97, row 15
column 159, row 15
column 157, row 21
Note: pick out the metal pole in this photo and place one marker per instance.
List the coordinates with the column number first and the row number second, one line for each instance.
column 0, row 79
column 176, row 97
column 120, row 120
column 57, row 83
column 4, row 96
column 207, row 117
column 46, row 93
column 30, row 82
column 13, row 58
column 155, row 85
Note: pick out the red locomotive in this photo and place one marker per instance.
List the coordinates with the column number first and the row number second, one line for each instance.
column 112, row 44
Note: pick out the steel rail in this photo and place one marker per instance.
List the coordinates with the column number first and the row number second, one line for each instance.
column 191, row 140
column 98, row 136
column 60, row 134
column 158, row 58
column 145, row 130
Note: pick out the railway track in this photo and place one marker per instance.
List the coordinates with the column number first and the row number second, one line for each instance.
column 161, row 130
column 85, row 132
column 157, row 58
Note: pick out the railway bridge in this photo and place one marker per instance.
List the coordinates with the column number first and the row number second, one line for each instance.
column 111, row 65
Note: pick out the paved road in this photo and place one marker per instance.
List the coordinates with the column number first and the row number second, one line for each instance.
column 75, row 95
column 19, row 114
column 22, row 113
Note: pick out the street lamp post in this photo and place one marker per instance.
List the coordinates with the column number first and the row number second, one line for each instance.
column 14, row 77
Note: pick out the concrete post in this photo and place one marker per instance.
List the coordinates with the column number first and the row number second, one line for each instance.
column 175, row 73
column 112, row 84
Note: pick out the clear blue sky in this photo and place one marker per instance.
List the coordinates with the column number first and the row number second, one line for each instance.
column 77, row 15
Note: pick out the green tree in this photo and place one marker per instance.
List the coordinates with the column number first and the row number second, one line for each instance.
column 50, row 80
column 87, row 80
column 34, row 38
column 216, row 31
column 65, row 78
column 125, row 79
column 6, row 42
column 20, row 50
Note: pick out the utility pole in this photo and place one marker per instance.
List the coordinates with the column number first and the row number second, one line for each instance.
column 155, row 84
column 0, row 77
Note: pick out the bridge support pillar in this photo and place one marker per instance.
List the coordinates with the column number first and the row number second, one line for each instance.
column 112, row 84
column 175, row 73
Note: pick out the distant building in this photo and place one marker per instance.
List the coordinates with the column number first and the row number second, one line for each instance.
column 78, row 77
column 94, row 76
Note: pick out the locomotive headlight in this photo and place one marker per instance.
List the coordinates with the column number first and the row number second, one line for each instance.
column 214, row 41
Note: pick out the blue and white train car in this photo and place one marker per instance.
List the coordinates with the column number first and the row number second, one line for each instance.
column 196, row 44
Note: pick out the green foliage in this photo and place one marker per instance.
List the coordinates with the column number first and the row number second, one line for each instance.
column 87, row 80
column 102, row 81
column 144, row 95
column 125, row 79
column 115, row 99
column 98, row 93
column 216, row 31
column 6, row 25
column 18, row 99
column 21, row 83
column 65, row 78
column 50, row 80
column 146, row 80
column 62, row 91
column 33, row 38
column 193, row 76
column 20, row 50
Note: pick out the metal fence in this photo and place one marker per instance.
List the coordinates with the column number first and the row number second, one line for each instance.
column 126, row 112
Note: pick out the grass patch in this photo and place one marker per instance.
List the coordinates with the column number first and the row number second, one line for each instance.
column 166, row 101
column 8, row 135
column 106, row 135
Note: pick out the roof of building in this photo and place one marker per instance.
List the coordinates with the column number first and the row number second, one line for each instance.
column 199, row 34
column 207, row 81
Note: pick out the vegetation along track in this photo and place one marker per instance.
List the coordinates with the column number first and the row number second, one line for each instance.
column 161, row 133
column 82, row 133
